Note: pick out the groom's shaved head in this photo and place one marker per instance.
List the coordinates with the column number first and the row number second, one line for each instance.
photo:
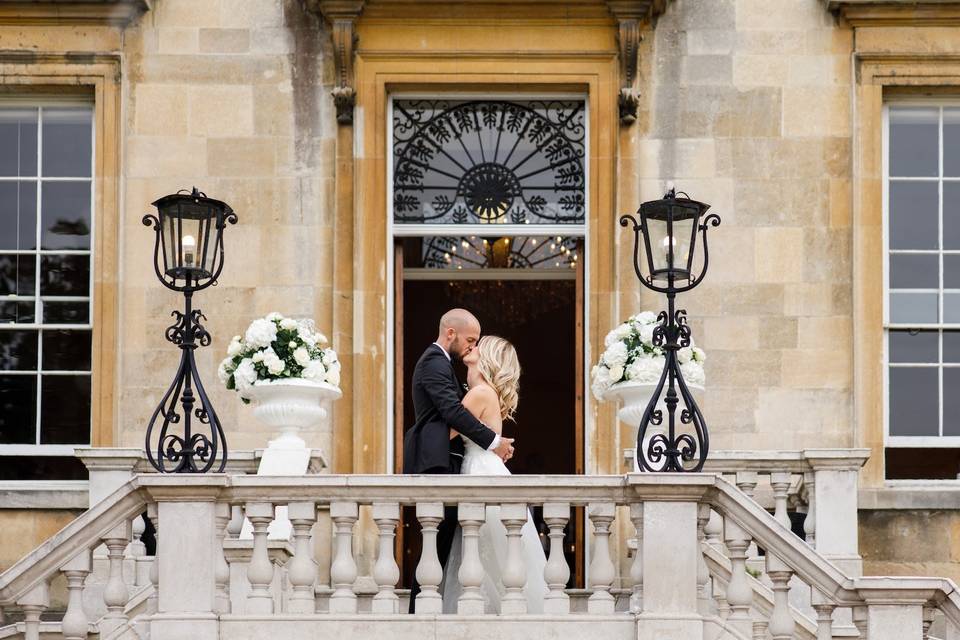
column 459, row 331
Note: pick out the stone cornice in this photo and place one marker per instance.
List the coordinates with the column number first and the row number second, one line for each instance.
column 72, row 12
column 898, row 13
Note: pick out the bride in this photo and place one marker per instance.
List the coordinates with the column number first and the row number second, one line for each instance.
column 493, row 374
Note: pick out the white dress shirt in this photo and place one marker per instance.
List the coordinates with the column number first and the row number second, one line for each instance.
column 496, row 437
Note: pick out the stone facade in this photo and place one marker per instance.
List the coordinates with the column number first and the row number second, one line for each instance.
column 745, row 104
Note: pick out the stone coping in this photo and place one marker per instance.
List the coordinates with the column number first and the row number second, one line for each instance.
column 915, row 495
column 44, row 494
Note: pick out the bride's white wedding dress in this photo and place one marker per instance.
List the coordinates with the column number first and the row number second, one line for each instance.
column 493, row 546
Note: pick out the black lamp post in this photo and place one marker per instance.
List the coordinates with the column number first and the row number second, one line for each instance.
column 187, row 257
column 669, row 227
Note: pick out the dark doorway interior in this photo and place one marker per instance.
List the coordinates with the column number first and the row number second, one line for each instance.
column 539, row 318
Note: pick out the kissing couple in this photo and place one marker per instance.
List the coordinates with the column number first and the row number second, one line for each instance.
column 461, row 433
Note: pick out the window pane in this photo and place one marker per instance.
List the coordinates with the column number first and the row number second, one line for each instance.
column 67, row 142
column 951, row 142
column 65, row 275
column 42, row 468
column 914, row 401
column 920, row 308
column 18, row 275
column 914, row 147
column 17, row 312
column 477, row 161
column 66, row 312
column 914, row 271
column 18, row 142
column 65, row 215
column 951, row 346
column 65, row 410
column 951, row 401
column 951, row 215
column 18, row 215
column 66, row 351
column 914, row 346
column 913, row 215
column 18, row 350
column 951, row 307
column 951, row 271
column 18, row 409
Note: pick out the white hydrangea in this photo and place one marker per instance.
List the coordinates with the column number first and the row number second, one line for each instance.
column 645, row 317
column 645, row 370
column 273, row 362
column 235, row 346
column 685, row 355
column 646, row 333
column 315, row 371
column 600, row 377
column 320, row 338
column 288, row 324
column 699, row 355
column 258, row 356
column 244, row 376
column 333, row 374
column 615, row 356
column 261, row 333
column 273, row 315
column 301, row 355
column 618, row 334
column 225, row 369
column 693, row 373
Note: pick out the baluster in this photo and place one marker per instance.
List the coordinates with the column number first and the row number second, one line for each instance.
column 386, row 573
column 747, row 482
column 636, row 569
column 824, row 611
column 782, row 624
column 302, row 570
column 33, row 603
column 759, row 630
column 470, row 575
column 343, row 569
column 928, row 614
column 739, row 593
column 235, row 526
column 602, row 571
column 810, row 522
column 514, row 516
column 115, row 592
column 222, row 569
column 153, row 599
column 703, row 572
column 859, row 615
column 557, row 572
column 429, row 572
column 75, row 622
column 714, row 530
column 720, row 595
column 138, row 551
column 780, row 483
column 260, row 569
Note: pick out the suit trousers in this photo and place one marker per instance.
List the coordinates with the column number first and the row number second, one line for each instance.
column 445, row 533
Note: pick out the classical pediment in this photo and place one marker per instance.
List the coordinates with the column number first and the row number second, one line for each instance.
column 72, row 12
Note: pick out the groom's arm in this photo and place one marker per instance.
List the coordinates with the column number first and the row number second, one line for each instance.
column 437, row 383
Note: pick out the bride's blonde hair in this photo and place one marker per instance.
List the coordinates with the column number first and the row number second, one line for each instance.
column 499, row 366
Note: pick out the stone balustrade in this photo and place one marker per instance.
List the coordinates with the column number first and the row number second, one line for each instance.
column 687, row 580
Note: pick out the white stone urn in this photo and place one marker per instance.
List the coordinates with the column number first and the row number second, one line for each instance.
column 633, row 398
column 290, row 405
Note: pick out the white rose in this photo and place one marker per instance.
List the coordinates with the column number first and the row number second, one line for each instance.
column 685, row 355
column 273, row 315
column 699, row 355
column 273, row 362
column 292, row 344
column 244, row 376
column 333, row 375
column 261, row 333
column 320, row 338
column 235, row 346
column 616, row 373
column 615, row 356
column 645, row 317
column 646, row 333
column 645, row 370
column 330, row 357
column 693, row 373
column 600, row 376
column 315, row 371
column 225, row 369
column 288, row 323
column 258, row 356
column 301, row 355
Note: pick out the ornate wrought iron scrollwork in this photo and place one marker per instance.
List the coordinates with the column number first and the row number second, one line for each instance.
column 185, row 405
column 485, row 161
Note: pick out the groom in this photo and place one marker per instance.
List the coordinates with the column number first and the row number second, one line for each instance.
column 437, row 395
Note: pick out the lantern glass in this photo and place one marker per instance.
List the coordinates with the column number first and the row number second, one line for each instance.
column 191, row 226
column 670, row 236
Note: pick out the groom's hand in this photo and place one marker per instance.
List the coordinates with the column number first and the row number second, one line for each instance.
column 505, row 449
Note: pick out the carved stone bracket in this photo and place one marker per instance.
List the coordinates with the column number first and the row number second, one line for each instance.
column 342, row 17
column 630, row 15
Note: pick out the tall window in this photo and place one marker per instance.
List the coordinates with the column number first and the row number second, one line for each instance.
column 46, row 240
column 922, row 315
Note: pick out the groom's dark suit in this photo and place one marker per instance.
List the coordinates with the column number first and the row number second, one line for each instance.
column 427, row 447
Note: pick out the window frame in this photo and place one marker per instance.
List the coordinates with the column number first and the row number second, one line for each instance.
column 903, row 442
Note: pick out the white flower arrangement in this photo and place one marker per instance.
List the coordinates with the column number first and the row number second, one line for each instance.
column 631, row 356
column 274, row 348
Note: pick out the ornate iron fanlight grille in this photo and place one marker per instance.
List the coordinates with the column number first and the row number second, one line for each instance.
column 524, row 252
column 489, row 161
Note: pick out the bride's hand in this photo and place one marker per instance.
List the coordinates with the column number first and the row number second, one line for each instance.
column 505, row 449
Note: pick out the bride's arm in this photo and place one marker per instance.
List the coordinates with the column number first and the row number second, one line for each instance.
column 478, row 402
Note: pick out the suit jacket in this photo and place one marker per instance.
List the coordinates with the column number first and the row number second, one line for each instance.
column 437, row 396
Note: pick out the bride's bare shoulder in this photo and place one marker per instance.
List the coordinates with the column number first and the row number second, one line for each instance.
column 482, row 392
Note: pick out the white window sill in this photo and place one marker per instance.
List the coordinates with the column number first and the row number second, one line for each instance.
column 44, row 494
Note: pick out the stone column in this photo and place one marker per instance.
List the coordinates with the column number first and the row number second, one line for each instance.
column 835, row 485
column 187, row 556
column 670, row 578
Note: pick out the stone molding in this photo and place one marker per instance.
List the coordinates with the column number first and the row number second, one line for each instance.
column 902, row 13
column 342, row 17
column 118, row 13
